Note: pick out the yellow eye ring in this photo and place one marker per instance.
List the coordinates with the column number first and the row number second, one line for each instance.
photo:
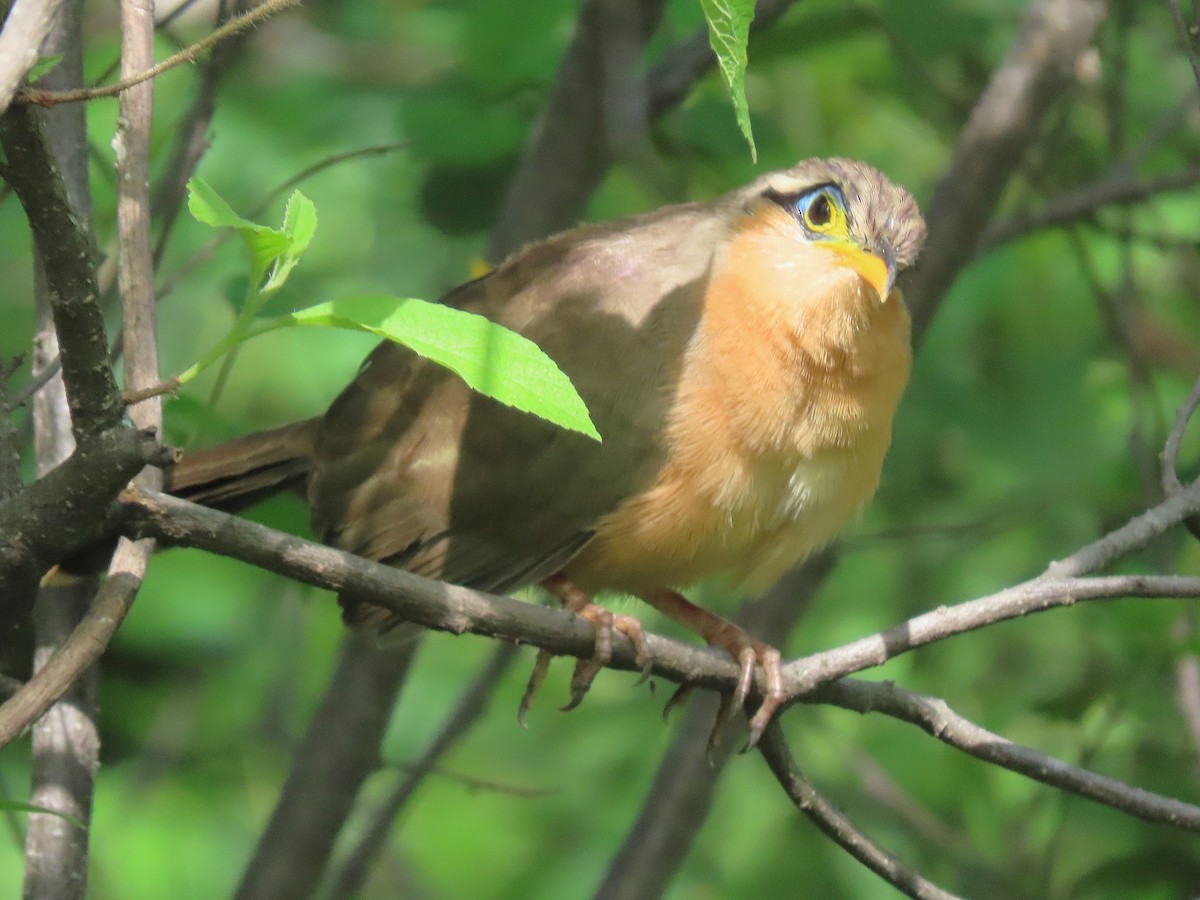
column 822, row 211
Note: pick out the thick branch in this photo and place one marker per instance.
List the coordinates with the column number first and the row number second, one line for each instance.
column 65, row 743
column 66, row 251
column 26, row 26
column 63, row 513
column 1003, row 124
column 569, row 150
column 340, row 749
column 83, row 647
column 456, row 609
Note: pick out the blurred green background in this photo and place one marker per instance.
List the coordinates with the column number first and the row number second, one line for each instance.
column 1031, row 427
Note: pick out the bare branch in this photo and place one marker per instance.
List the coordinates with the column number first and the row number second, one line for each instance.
column 187, row 55
column 1187, row 696
column 65, row 740
column 935, row 716
column 803, row 674
column 65, row 247
column 1190, row 37
column 64, row 512
column 1002, row 126
column 82, row 648
column 1118, row 189
column 340, row 749
column 135, row 264
column 348, row 881
column 66, row 753
column 836, row 826
column 1137, row 532
column 1170, row 453
column 25, row 27
column 569, row 150
column 447, row 607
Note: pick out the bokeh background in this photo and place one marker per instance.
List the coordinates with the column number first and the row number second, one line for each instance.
column 1040, row 398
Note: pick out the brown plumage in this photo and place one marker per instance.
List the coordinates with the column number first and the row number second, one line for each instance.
column 740, row 358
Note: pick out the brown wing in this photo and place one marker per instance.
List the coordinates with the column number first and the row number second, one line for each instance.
column 413, row 468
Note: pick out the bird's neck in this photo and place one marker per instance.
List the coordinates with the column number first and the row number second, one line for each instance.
column 815, row 359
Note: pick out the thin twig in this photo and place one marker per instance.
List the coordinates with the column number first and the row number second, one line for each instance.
column 1170, row 452
column 1187, row 34
column 1119, row 188
column 189, row 54
column 837, row 827
column 39, row 380
column 82, row 648
column 25, row 28
column 935, row 716
column 340, row 749
column 348, row 881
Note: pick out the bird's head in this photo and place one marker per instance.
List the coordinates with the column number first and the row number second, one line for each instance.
column 850, row 209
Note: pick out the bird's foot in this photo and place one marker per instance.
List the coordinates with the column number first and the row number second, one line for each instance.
column 605, row 622
column 748, row 653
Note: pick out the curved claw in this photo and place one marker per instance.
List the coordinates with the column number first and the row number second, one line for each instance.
column 772, row 666
column 581, row 680
column 540, row 667
column 605, row 623
column 724, row 713
column 677, row 699
column 632, row 629
column 746, row 658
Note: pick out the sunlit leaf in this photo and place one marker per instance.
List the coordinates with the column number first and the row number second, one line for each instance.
column 728, row 33
column 491, row 359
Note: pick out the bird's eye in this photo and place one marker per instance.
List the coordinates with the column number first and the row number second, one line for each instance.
column 819, row 212
column 822, row 211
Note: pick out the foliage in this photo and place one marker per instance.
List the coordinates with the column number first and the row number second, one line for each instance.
column 491, row 359
column 1040, row 396
column 728, row 32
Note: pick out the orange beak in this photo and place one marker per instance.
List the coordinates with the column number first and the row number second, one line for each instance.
column 879, row 271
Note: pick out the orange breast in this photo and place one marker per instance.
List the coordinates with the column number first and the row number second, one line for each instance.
column 780, row 424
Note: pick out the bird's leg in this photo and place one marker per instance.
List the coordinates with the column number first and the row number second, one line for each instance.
column 605, row 622
column 736, row 641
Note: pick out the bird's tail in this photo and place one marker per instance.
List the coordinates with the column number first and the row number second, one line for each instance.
column 237, row 474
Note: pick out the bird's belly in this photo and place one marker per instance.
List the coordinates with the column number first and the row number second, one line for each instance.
column 750, row 521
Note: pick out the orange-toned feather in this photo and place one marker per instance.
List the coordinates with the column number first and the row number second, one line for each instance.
column 780, row 430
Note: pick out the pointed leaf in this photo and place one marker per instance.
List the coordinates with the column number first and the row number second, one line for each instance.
column 491, row 359
column 264, row 244
column 728, row 34
column 299, row 225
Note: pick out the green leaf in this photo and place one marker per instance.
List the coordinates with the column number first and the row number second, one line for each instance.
column 728, row 34
column 209, row 208
column 18, row 806
column 273, row 250
column 299, row 225
column 42, row 66
column 491, row 359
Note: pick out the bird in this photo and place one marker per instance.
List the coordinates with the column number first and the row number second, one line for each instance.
column 742, row 359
